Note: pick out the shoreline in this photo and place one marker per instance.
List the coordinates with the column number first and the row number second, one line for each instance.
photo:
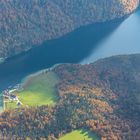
column 28, row 77
column 23, row 81
column 114, row 19
column 39, row 72
column 2, row 60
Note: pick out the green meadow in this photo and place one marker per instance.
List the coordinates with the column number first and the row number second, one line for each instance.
column 37, row 90
column 10, row 105
column 80, row 135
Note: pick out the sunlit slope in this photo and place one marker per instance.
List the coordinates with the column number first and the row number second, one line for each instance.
column 80, row 135
column 37, row 90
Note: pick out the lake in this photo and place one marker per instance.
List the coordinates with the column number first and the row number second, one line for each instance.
column 84, row 45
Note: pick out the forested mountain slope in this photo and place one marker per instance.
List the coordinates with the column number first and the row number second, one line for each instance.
column 103, row 97
column 24, row 23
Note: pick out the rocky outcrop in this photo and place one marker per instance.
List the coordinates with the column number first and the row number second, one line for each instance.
column 24, row 23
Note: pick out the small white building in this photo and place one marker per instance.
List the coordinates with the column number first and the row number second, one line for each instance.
column 13, row 97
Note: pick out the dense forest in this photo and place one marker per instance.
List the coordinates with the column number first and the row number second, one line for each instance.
column 103, row 97
column 26, row 23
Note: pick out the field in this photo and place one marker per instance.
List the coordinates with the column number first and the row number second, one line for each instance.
column 37, row 90
column 10, row 105
column 80, row 135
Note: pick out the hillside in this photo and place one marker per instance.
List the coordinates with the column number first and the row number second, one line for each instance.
column 25, row 23
column 103, row 97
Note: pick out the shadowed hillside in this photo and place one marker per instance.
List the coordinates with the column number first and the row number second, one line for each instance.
column 24, row 23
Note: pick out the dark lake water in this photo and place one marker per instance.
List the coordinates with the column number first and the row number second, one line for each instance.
column 84, row 45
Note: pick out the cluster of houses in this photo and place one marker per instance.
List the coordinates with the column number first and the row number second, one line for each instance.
column 9, row 94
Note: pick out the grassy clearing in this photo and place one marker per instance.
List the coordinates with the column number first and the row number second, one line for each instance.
column 10, row 105
column 80, row 135
column 38, row 90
